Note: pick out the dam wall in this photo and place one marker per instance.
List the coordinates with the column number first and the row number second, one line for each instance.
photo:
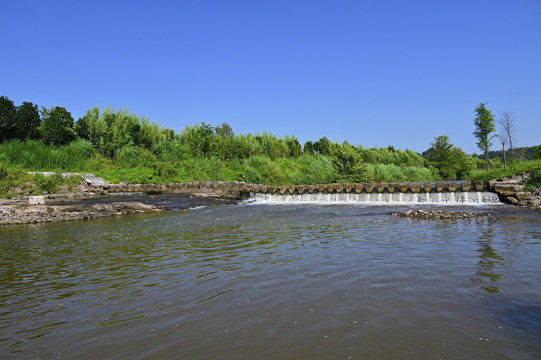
column 241, row 190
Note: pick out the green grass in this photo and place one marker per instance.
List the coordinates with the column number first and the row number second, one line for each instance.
column 34, row 155
column 516, row 168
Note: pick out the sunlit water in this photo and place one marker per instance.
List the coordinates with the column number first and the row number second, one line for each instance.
column 283, row 281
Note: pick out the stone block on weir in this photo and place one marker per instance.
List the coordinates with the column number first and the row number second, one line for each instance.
column 479, row 185
column 369, row 188
column 415, row 187
column 404, row 187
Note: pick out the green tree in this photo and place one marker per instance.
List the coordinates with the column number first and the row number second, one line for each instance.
column 27, row 121
column 536, row 155
column 323, row 146
column 308, row 147
column 7, row 119
column 348, row 163
column 440, row 156
column 57, row 128
column 82, row 129
column 451, row 162
column 224, row 131
column 484, row 126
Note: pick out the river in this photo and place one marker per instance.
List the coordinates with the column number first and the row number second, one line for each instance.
column 274, row 281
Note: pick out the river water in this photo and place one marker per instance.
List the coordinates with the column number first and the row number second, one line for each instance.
column 274, row 281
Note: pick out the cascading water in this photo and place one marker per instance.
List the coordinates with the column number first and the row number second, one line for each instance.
column 474, row 197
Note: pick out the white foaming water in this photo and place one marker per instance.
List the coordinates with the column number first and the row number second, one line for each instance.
column 462, row 198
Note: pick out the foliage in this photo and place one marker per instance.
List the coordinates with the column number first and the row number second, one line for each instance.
column 48, row 183
column 27, row 122
column 12, row 177
column 110, row 131
column 515, row 168
column 57, row 128
column 136, row 175
column 450, row 161
column 37, row 156
column 534, row 180
column 484, row 126
column 536, row 154
column 348, row 163
column 7, row 118
column 394, row 173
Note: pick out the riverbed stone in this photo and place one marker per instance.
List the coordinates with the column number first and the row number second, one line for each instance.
column 437, row 214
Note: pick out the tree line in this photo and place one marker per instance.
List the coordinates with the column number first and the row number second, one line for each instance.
column 119, row 144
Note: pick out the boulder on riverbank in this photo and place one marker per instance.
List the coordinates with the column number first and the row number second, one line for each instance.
column 511, row 190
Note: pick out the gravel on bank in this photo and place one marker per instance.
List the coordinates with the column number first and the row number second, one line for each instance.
column 27, row 214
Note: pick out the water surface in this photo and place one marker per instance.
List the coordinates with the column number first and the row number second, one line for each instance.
column 274, row 282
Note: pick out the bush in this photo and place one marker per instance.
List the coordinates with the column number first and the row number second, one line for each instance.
column 48, row 183
column 534, row 180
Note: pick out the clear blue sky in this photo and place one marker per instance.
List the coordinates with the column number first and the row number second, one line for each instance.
column 373, row 73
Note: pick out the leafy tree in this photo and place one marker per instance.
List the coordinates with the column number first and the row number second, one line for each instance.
column 27, row 121
column 461, row 163
column 198, row 138
column 450, row 161
column 82, row 129
column 536, row 155
column 7, row 119
column 440, row 155
column 484, row 126
column 308, row 148
column 348, row 163
column 295, row 148
column 57, row 128
column 323, row 146
column 224, row 131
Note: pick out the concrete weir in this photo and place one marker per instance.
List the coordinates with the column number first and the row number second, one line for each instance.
column 241, row 190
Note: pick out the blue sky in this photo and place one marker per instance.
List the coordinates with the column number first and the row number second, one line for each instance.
column 373, row 73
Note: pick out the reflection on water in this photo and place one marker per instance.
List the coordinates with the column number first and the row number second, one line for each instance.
column 273, row 281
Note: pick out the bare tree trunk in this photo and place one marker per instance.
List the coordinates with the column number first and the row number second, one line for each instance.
column 508, row 126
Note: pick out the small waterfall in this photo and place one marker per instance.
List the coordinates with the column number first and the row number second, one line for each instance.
column 474, row 197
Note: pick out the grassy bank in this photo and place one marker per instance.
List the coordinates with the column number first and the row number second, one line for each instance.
column 174, row 161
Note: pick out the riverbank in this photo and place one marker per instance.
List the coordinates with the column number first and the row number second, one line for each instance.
column 92, row 207
column 90, row 199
